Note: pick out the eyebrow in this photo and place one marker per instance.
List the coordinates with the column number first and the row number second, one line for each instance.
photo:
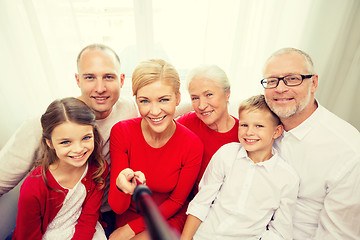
column 164, row 96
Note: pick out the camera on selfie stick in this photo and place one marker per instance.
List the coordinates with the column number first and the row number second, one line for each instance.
column 156, row 224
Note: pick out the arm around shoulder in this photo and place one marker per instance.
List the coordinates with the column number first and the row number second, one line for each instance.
column 19, row 153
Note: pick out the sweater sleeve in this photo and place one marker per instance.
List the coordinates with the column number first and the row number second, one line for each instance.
column 85, row 228
column 118, row 200
column 29, row 219
column 190, row 166
column 188, row 174
column 19, row 153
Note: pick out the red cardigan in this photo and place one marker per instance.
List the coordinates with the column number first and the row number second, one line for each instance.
column 38, row 206
column 170, row 170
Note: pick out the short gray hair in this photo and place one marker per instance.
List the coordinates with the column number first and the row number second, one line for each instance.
column 308, row 60
column 210, row 72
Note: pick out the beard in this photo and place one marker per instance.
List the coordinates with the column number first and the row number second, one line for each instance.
column 289, row 111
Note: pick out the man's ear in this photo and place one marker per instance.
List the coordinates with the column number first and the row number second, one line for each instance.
column 278, row 131
column 48, row 142
column 77, row 79
column 315, row 81
column 122, row 79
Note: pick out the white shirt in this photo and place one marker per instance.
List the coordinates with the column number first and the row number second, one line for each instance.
column 62, row 227
column 20, row 152
column 238, row 198
column 325, row 152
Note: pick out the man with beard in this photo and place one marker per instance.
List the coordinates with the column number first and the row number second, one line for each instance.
column 321, row 147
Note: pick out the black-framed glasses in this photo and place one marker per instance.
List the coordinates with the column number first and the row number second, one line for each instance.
column 290, row 80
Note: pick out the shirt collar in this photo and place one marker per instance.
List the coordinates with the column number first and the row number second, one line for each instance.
column 305, row 127
column 269, row 165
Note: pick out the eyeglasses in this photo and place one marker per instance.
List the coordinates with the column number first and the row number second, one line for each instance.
column 290, row 80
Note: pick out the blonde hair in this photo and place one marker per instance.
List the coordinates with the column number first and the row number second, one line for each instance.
column 257, row 103
column 153, row 70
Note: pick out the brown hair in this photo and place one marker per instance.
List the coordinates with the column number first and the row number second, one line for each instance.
column 70, row 110
column 153, row 70
column 258, row 102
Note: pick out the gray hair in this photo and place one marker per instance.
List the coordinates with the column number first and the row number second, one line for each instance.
column 210, row 72
column 308, row 60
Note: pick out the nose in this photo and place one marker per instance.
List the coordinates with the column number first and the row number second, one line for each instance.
column 202, row 104
column 77, row 147
column 155, row 109
column 281, row 87
column 250, row 131
column 100, row 86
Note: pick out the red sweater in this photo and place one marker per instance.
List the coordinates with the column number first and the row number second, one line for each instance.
column 211, row 139
column 170, row 171
column 38, row 206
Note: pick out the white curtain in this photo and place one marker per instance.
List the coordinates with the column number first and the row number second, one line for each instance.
column 40, row 40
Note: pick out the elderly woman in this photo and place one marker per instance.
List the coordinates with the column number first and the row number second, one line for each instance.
column 152, row 147
column 209, row 89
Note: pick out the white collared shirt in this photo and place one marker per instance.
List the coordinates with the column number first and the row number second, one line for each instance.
column 238, row 198
column 325, row 152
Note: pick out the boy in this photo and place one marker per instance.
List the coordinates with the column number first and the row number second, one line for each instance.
column 247, row 191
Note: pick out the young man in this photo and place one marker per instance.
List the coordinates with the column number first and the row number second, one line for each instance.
column 100, row 80
column 321, row 147
column 247, row 191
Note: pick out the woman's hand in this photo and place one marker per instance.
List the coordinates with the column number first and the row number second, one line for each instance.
column 122, row 233
column 126, row 180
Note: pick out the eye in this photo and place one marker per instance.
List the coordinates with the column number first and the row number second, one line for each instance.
column 109, row 77
column 194, row 98
column 65, row 142
column 87, row 138
column 259, row 126
column 271, row 81
column 143, row 101
column 89, row 77
column 209, row 94
column 243, row 125
column 164, row 100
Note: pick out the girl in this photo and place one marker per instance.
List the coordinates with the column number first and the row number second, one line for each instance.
column 167, row 154
column 61, row 197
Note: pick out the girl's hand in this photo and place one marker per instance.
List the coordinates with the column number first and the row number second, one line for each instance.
column 122, row 233
column 126, row 180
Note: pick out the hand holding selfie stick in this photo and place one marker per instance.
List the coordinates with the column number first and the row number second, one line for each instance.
column 156, row 224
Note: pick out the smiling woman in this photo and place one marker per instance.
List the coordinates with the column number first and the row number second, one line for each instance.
column 148, row 148
column 40, row 40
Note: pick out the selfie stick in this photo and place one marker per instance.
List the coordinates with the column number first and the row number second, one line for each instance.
column 156, row 224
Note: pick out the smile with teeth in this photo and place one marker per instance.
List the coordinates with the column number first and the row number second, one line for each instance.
column 206, row 113
column 79, row 156
column 283, row 99
column 157, row 119
column 100, row 98
column 250, row 140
